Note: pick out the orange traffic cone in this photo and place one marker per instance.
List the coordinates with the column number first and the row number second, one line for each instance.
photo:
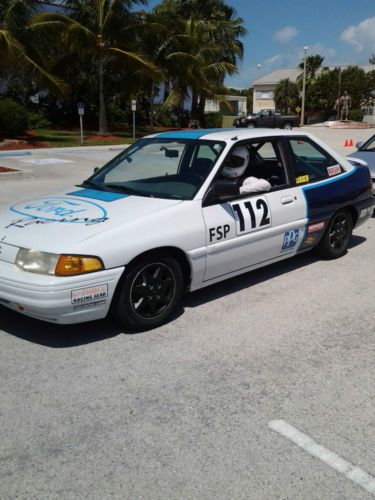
column 351, row 143
column 347, row 143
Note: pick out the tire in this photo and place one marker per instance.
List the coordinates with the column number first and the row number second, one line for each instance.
column 150, row 292
column 287, row 126
column 336, row 239
column 251, row 125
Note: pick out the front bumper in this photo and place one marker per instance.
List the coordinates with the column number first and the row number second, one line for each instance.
column 64, row 300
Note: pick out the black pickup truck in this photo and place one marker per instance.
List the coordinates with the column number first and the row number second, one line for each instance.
column 266, row 118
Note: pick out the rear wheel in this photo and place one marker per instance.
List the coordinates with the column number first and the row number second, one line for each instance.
column 251, row 125
column 288, row 126
column 337, row 236
column 150, row 292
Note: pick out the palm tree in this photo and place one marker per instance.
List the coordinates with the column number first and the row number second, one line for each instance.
column 286, row 95
column 99, row 30
column 204, row 47
column 15, row 47
column 313, row 64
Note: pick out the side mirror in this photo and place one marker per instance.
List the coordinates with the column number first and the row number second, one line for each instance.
column 96, row 169
column 221, row 191
column 359, row 144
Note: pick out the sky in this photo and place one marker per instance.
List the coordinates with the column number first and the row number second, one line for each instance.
column 343, row 31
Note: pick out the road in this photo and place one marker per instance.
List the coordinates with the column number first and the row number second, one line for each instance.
column 192, row 410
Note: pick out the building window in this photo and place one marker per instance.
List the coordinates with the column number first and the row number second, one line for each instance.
column 264, row 94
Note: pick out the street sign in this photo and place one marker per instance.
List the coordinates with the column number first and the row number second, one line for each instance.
column 298, row 109
column 81, row 108
column 134, row 105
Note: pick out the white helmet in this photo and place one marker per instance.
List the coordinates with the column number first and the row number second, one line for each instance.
column 236, row 163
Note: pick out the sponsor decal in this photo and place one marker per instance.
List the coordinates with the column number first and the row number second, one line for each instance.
column 89, row 294
column 90, row 305
column 334, row 170
column 302, row 178
column 62, row 209
column 310, row 240
column 314, row 228
column 290, row 239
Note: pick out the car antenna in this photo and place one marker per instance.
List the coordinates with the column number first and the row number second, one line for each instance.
column 235, row 138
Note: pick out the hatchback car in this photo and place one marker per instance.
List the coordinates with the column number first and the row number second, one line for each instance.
column 171, row 214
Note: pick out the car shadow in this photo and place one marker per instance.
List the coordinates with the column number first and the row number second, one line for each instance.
column 255, row 277
column 56, row 336
column 65, row 336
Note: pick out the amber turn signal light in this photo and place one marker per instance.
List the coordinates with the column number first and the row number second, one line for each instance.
column 71, row 265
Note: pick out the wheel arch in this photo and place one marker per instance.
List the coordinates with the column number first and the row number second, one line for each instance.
column 165, row 251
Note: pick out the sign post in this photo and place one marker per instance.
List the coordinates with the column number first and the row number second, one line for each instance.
column 81, row 112
column 134, row 108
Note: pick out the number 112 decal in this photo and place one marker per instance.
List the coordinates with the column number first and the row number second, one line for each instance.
column 251, row 214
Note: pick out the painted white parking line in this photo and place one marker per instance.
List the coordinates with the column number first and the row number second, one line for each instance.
column 45, row 161
column 327, row 456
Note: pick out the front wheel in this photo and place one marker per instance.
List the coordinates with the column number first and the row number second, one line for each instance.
column 150, row 292
column 337, row 236
column 251, row 125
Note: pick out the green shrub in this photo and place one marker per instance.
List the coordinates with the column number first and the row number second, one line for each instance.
column 37, row 120
column 355, row 115
column 213, row 120
column 13, row 118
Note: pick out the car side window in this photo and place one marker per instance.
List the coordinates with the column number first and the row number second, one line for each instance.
column 263, row 170
column 310, row 162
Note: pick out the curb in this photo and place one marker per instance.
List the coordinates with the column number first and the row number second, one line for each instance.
column 14, row 153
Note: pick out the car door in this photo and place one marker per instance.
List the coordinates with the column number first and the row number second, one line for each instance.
column 253, row 229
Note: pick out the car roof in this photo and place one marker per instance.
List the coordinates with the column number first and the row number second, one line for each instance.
column 228, row 134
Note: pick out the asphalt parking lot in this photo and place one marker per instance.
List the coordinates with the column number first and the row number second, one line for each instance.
column 262, row 387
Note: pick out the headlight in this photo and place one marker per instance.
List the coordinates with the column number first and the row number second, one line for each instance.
column 34, row 261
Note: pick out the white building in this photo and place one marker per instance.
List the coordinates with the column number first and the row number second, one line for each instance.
column 237, row 102
column 264, row 86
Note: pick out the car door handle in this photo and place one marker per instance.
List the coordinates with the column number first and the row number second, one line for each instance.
column 286, row 200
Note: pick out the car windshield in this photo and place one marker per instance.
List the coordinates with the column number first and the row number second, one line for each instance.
column 160, row 168
column 368, row 145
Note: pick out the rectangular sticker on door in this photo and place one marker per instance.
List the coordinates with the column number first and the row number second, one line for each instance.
column 251, row 214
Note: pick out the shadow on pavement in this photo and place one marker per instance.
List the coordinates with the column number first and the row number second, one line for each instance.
column 65, row 336
column 56, row 336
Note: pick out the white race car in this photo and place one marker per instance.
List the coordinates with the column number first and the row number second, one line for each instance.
column 174, row 212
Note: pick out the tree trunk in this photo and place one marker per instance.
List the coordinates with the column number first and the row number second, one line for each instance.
column 194, row 106
column 103, row 124
column 152, row 100
column 202, row 105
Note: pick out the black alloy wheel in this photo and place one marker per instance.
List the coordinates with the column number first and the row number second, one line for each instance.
column 337, row 236
column 150, row 292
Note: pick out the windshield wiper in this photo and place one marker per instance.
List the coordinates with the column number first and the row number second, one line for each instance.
column 90, row 184
column 125, row 189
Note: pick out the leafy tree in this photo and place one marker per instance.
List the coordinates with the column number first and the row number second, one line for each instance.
column 372, row 59
column 313, row 64
column 102, row 32
column 286, row 96
column 16, row 49
column 203, row 49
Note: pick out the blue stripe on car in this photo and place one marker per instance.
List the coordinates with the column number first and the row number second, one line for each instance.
column 191, row 134
column 98, row 195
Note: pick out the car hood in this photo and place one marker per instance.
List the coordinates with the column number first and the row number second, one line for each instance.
column 367, row 156
column 58, row 222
